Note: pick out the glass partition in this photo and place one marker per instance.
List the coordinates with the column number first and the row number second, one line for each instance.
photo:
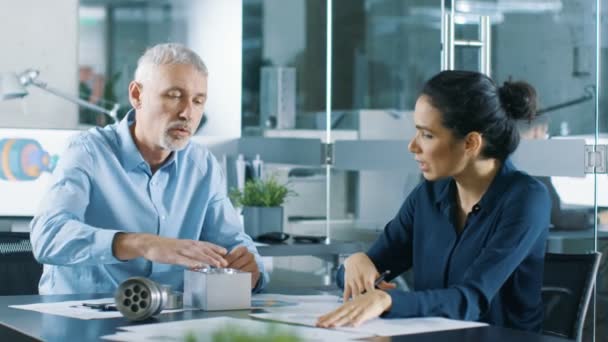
column 284, row 47
column 552, row 45
column 269, row 77
column 284, row 118
column 383, row 51
column 111, row 38
column 113, row 34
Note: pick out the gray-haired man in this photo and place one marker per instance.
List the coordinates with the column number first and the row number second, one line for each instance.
column 137, row 198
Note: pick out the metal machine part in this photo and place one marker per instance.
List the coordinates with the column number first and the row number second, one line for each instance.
column 172, row 300
column 139, row 298
column 214, row 289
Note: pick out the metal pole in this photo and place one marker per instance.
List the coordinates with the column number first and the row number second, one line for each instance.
column 328, row 90
column 485, row 36
column 110, row 113
column 450, row 36
column 444, row 37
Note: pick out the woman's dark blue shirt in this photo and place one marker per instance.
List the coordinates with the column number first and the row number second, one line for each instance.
column 491, row 272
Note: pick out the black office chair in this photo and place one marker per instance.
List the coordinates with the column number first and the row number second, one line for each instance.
column 567, row 287
column 19, row 270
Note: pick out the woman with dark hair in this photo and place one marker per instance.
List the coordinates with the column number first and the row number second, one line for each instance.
column 474, row 231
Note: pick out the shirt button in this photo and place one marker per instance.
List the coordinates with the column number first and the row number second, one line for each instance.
column 154, row 183
column 163, row 217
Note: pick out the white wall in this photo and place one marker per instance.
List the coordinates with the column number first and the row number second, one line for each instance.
column 40, row 34
column 214, row 31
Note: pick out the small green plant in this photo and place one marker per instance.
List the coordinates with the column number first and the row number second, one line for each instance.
column 231, row 333
column 261, row 193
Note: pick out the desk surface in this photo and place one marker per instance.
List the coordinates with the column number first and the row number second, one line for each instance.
column 22, row 325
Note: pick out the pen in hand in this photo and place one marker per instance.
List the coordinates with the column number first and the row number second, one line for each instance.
column 381, row 278
column 376, row 282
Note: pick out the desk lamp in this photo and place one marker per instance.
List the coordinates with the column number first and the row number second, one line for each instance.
column 13, row 86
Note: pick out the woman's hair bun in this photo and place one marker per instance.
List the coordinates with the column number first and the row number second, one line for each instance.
column 518, row 99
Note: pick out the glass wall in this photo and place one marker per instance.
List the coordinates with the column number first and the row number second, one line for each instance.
column 382, row 53
column 269, row 80
column 113, row 34
column 552, row 45
column 283, row 41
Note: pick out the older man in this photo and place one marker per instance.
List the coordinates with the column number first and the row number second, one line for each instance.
column 137, row 198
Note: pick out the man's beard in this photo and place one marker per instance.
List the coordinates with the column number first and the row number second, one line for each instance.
column 171, row 143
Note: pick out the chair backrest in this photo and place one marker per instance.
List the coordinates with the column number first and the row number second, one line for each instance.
column 567, row 287
column 19, row 271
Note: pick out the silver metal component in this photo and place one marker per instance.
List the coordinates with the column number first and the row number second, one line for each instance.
column 449, row 22
column 327, row 152
column 485, row 38
column 213, row 289
column 30, row 78
column 172, row 300
column 449, row 43
column 595, row 159
column 278, row 97
column 139, row 298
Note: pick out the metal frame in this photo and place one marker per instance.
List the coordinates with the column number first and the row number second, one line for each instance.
column 449, row 43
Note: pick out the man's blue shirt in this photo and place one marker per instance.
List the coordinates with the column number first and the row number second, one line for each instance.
column 491, row 272
column 103, row 186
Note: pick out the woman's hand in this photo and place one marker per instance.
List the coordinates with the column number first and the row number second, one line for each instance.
column 363, row 308
column 360, row 273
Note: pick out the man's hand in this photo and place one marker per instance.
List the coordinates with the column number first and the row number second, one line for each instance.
column 188, row 253
column 242, row 259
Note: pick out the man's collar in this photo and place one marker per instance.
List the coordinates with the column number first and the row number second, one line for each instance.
column 129, row 153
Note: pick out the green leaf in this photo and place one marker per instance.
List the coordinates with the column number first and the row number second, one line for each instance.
column 261, row 193
column 233, row 333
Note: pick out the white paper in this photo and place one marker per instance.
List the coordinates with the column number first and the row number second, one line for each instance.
column 378, row 326
column 74, row 309
column 299, row 298
column 203, row 330
column 313, row 304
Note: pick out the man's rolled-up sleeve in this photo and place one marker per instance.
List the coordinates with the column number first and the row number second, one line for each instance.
column 59, row 235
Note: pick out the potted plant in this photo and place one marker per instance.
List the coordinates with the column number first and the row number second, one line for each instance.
column 234, row 333
column 262, row 202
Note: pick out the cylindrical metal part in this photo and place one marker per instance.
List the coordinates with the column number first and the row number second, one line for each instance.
column 171, row 300
column 139, row 298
